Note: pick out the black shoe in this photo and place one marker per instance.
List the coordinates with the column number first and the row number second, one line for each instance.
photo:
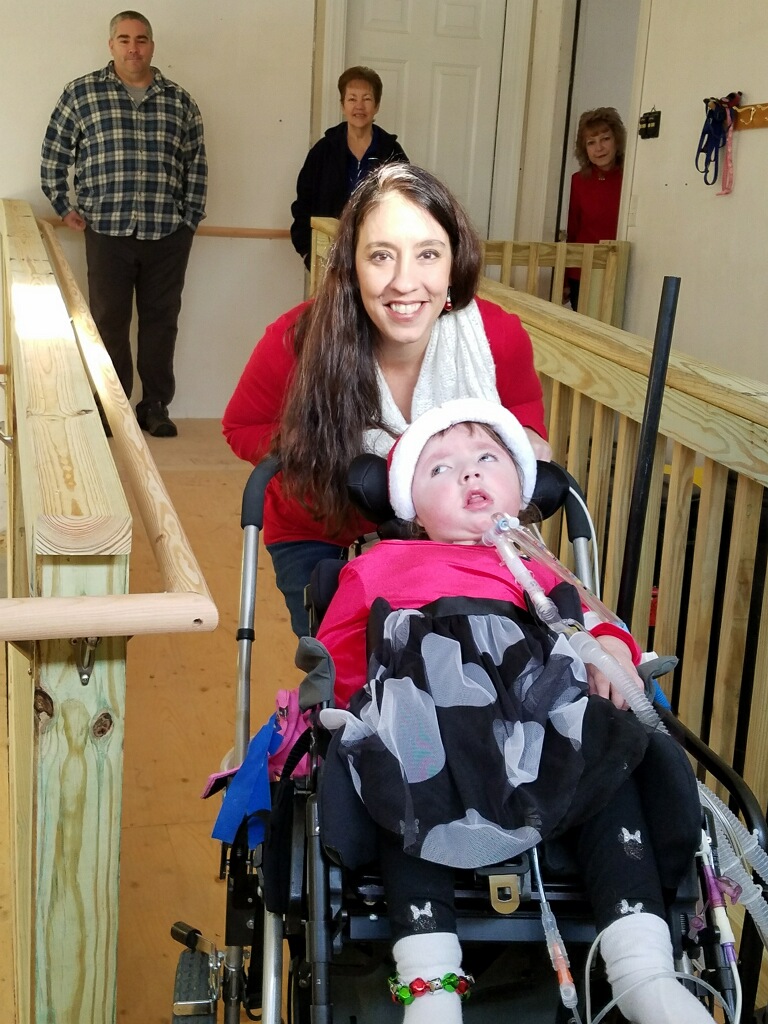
column 155, row 420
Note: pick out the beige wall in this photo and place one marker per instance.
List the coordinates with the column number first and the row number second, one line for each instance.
column 248, row 63
column 716, row 244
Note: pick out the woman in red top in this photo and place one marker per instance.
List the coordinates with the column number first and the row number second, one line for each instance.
column 593, row 209
column 395, row 329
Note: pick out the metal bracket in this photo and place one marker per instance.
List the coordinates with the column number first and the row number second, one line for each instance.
column 24, row 647
column 7, row 439
column 195, row 1007
column 86, row 656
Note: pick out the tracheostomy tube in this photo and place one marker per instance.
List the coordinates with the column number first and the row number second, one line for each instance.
column 501, row 535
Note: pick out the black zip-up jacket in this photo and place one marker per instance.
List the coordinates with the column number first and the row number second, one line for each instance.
column 322, row 188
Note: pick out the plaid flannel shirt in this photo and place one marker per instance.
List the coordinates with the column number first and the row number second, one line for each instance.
column 137, row 169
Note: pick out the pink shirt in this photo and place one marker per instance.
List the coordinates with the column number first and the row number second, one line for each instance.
column 410, row 574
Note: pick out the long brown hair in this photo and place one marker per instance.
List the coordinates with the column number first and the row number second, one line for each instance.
column 334, row 396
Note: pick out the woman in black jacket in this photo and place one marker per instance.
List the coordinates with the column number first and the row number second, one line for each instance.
column 343, row 157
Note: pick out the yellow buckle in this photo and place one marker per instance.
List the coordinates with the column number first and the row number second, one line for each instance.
column 504, row 892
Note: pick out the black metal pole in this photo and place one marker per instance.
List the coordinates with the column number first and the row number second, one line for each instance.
column 649, row 429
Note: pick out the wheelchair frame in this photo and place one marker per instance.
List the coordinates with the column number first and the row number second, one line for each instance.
column 317, row 918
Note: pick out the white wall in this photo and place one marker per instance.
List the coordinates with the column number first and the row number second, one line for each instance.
column 248, row 64
column 716, row 244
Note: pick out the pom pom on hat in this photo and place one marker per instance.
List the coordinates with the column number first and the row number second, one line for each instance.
column 407, row 449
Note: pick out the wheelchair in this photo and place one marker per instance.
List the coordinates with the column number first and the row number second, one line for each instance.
column 289, row 893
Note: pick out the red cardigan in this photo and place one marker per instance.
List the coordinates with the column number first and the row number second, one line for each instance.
column 253, row 413
column 410, row 574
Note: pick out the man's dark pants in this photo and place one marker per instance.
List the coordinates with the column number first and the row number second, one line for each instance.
column 118, row 266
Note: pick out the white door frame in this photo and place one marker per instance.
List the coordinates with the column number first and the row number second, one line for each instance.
column 330, row 48
column 628, row 208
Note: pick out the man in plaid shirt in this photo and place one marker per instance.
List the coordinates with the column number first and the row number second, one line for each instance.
column 136, row 140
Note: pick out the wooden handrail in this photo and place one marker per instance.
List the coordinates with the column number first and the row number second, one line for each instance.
column 730, row 392
column 211, row 230
column 71, row 541
column 187, row 605
column 53, row 618
column 215, row 231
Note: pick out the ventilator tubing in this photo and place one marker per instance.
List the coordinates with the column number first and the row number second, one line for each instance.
column 748, row 845
column 591, row 653
column 506, row 535
column 734, row 843
column 751, row 894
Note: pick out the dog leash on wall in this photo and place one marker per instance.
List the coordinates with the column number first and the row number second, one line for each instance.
column 719, row 120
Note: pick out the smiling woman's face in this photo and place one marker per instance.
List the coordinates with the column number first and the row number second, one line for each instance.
column 358, row 106
column 403, row 263
column 600, row 145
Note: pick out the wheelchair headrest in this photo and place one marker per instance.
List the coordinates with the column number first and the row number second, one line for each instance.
column 368, row 491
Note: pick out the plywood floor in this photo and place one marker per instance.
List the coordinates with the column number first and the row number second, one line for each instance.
column 179, row 723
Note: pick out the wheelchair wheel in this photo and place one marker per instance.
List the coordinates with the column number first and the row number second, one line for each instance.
column 193, row 983
column 299, row 998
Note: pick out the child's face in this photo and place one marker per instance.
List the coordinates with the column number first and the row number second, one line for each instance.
column 462, row 478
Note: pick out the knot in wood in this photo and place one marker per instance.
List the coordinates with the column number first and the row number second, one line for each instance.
column 102, row 725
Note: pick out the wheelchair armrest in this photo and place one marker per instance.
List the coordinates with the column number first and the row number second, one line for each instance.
column 317, row 685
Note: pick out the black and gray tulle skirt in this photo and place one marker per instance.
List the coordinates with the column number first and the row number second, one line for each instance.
column 474, row 738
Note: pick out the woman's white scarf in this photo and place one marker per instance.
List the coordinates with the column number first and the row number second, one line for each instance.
column 457, row 364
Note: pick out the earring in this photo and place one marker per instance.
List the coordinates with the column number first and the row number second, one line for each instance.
column 448, row 304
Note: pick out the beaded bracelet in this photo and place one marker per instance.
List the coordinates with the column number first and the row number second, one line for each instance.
column 405, row 994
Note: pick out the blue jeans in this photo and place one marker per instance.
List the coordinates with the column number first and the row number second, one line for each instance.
column 294, row 561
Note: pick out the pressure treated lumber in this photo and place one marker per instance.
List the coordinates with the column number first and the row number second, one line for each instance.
column 65, row 431
column 70, row 541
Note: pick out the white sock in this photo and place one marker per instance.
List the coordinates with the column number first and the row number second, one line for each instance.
column 637, row 948
column 430, row 955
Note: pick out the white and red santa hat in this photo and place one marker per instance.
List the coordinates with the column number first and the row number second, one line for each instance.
column 409, row 446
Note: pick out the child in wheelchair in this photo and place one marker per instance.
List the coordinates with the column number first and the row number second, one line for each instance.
column 473, row 732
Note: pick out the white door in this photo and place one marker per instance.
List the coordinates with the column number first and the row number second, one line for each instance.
column 441, row 65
